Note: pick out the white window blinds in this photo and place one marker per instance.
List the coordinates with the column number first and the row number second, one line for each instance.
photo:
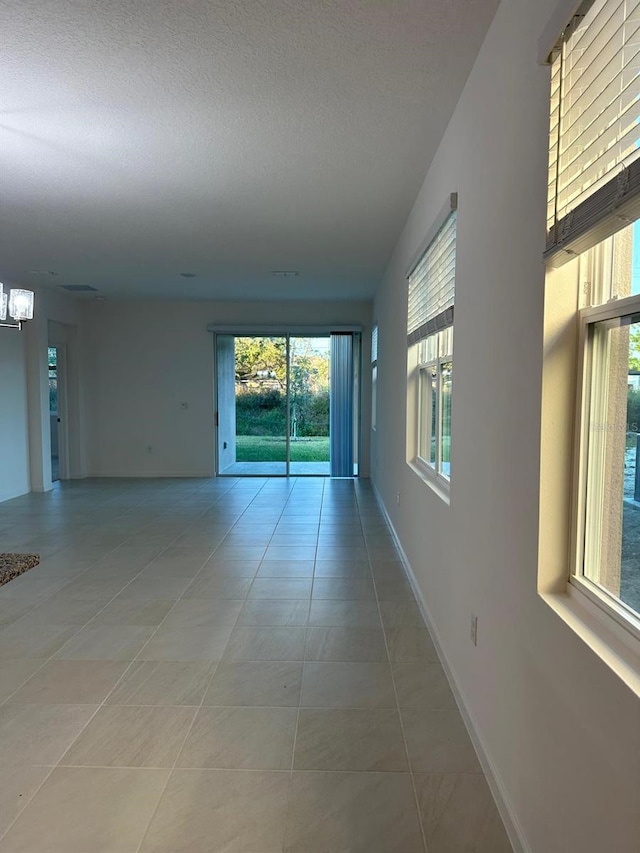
column 594, row 173
column 374, row 345
column 432, row 285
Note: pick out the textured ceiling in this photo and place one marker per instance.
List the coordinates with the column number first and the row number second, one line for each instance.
column 144, row 138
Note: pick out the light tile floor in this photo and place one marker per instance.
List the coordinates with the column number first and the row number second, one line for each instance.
column 275, row 469
column 201, row 666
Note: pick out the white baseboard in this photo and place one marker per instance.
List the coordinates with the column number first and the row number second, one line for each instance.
column 12, row 495
column 151, row 475
column 503, row 803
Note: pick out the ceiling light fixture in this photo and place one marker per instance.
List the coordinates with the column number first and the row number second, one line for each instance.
column 19, row 306
column 188, row 274
column 285, row 273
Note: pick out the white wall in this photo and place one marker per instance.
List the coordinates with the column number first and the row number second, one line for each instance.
column 147, row 358
column 25, row 433
column 14, row 440
column 57, row 320
column 560, row 730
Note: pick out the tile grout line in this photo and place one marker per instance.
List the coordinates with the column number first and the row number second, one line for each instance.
column 81, row 626
column 219, row 705
column 304, row 654
column 197, row 710
column 190, row 584
column 212, row 675
column 53, row 657
column 92, row 565
column 193, row 719
column 102, row 704
column 284, row 772
column 395, row 691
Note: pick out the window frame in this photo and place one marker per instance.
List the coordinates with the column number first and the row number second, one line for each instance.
column 444, row 356
column 621, row 613
column 593, row 615
column 425, row 413
column 441, row 328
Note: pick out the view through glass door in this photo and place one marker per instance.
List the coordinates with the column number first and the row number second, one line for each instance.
column 54, row 416
column 309, row 377
column 273, row 398
column 260, row 399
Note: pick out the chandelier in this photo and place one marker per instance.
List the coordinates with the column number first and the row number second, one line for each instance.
column 18, row 305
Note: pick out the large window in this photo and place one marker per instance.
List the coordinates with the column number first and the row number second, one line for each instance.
column 594, row 202
column 608, row 499
column 430, row 341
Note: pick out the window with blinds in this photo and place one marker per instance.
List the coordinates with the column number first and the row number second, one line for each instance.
column 374, row 345
column 594, row 165
column 432, row 285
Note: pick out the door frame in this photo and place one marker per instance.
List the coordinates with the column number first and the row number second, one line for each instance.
column 63, row 410
column 287, row 331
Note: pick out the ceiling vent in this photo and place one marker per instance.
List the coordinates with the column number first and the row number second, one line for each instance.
column 79, row 288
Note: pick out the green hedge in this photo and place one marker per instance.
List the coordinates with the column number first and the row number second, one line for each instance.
column 265, row 413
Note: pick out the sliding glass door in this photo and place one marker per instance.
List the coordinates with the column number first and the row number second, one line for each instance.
column 279, row 403
column 252, row 404
column 309, row 375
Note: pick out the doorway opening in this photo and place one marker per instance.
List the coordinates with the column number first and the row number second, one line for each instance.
column 58, row 402
column 286, row 404
column 54, row 415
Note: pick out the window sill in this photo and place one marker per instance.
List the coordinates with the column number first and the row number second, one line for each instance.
column 610, row 641
column 436, row 483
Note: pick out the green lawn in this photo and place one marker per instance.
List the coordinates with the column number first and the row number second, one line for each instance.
column 254, row 448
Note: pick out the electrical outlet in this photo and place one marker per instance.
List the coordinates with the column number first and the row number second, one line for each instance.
column 398, row 498
column 474, row 630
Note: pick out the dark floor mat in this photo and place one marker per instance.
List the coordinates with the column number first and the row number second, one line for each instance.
column 14, row 565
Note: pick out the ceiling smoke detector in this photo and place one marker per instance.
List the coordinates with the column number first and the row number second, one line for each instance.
column 285, row 273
